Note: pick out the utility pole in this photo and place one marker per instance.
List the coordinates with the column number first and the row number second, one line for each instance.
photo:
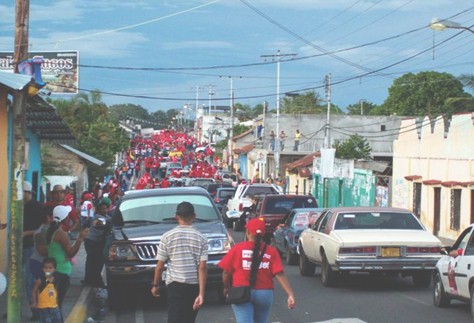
column 210, row 97
column 327, row 140
column 15, row 263
column 231, row 132
column 278, row 58
column 198, row 88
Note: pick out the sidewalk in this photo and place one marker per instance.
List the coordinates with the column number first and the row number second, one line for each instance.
column 75, row 303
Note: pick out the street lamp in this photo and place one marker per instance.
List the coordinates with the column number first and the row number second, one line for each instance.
column 441, row 24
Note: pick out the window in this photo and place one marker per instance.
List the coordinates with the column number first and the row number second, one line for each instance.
column 417, row 199
column 324, row 222
column 382, row 127
column 455, row 218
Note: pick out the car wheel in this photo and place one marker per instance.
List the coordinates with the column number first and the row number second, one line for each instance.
column 329, row 277
column 421, row 278
column 290, row 258
column 306, row 267
column 440, row 298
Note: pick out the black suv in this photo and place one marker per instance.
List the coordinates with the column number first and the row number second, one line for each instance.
column 141, row 218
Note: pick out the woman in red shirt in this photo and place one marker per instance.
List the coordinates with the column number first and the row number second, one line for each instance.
column 237, row 265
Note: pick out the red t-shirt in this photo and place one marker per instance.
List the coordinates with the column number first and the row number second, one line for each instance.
column 239, row 259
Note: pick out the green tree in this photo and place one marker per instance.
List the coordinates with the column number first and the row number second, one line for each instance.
column 356, row 147
column 361, row 108
column 423, row 94
column 307, row 103
column 87, row 117
column 119, row 112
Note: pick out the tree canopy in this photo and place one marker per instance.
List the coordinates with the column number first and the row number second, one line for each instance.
column 88, row 118
column 423, row 94
column 356, row 147
column 362, row 107
column 307, row 103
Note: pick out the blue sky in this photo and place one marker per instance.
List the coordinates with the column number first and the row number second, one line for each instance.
column 158, row 37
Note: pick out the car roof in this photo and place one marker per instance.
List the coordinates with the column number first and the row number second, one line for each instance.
column 368, row 209
column 309, row 209
column 193, row 190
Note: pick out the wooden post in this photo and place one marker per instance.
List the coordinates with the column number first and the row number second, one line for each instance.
column 15, row 247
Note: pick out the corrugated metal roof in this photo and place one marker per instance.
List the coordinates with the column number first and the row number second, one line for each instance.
column 14, row 81
column 43, row 120
column 304, row 162
column 83, row 155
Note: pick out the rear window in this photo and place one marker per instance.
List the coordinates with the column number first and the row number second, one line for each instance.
column 226, row 193
column 377, row 220
column 259, row 190
column 281, row 204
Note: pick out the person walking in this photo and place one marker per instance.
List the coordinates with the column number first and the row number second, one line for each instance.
column 59, row 248
column 184, row 249
column 239, row 264
column 95, row 243
column 298, row 136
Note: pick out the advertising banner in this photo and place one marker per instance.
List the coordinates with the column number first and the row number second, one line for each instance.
column 59, row 69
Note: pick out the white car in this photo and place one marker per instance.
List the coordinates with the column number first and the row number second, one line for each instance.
column 368, row 239
column 454, row 274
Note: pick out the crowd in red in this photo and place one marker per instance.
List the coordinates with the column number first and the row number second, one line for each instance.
column 160, row 160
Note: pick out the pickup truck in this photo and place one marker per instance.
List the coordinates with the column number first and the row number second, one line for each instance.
column 453, row 277
column 242, row 200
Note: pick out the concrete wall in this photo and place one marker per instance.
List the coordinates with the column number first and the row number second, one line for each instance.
column 312, row 127
column 435, row 153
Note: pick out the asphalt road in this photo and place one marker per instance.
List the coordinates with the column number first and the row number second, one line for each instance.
column 359, row 298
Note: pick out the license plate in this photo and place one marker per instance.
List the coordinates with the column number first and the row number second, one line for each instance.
column 389, row 252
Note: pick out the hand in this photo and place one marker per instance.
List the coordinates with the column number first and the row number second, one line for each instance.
column 291, row 302
column 83, row 233
column 198, row 302
column 155, row 291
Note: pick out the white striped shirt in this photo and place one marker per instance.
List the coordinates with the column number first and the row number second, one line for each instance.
column 183, row 248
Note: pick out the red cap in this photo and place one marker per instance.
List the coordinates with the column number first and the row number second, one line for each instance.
column 87, row 196
column 255, row 226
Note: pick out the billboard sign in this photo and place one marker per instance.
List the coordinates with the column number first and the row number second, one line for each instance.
column 59, row 69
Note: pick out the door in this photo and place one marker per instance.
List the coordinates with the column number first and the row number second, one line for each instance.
column 318, row 236
column 437, row 210
column 464, row 264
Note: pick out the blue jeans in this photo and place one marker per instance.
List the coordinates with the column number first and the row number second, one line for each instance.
column 50, row 315
column 257, row 310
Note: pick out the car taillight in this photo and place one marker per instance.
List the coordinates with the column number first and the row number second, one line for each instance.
column 241, row 207
column 418, row 250
column 358, row 250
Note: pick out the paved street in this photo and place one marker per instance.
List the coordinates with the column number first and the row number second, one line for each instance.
column 360, row 298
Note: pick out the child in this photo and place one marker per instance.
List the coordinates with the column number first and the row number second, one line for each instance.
column 45, row 295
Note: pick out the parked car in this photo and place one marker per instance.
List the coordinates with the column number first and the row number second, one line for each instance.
column 221, row 197
column 368, row 239
column 172, row 166
column 273, row 208
column 453, row 277
column 141, row 218
column 286, row 235
column 242, row 199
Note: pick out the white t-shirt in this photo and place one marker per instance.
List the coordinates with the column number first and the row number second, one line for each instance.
column 87, row 205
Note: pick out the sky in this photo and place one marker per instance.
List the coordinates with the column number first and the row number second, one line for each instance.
column 169, row 54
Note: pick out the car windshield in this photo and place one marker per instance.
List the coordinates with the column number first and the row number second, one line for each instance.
column 377, row 220
column 281, row 204
column 162, row 208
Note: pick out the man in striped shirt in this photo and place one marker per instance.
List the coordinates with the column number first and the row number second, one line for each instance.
column 185, row 250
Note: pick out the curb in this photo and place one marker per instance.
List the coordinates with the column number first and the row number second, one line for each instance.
column 78, row 313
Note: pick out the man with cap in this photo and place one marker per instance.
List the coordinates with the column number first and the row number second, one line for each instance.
column 32, row 220
column 237, row 268
column 72, row 222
